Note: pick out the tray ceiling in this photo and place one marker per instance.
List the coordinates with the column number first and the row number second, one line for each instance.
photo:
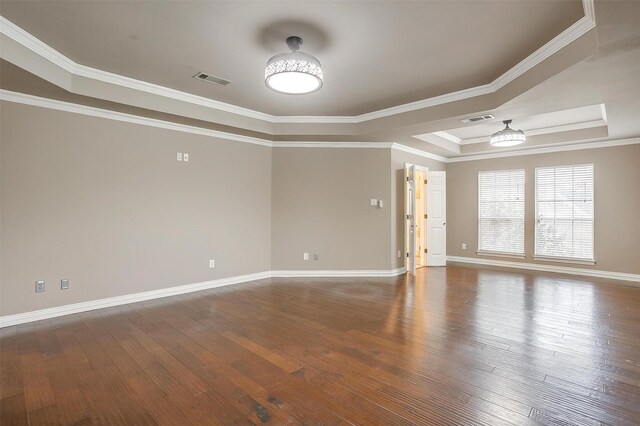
column 375, row 54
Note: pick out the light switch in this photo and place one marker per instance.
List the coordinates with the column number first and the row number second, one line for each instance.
column 373, row 202
column 185, row 157
column 179, row 156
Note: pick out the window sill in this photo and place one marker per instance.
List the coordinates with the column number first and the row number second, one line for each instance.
column 564, row 260
column 499, row 254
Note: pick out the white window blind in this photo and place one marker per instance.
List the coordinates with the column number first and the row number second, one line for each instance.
column 564, row 212
column 501, row 211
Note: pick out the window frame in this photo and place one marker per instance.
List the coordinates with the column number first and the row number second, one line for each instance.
column 565, row 259
column 511, row 255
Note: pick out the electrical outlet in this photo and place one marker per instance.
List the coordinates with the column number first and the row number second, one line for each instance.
column 40, row 286
column 185, row 157
column 380, row 204
column 305, row 256
column 64, row 284
column 179, row 156
column 464, row 246
column 212, row 263
column 399, row 254
column 316, row 256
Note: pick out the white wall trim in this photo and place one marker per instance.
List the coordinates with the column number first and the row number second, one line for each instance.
column 564, row 260
column 22, row 98
column 498, row 254
column 549, row 268
column 568, row 36
column 320, row 144
column 47, row 52
column 546, row 150
column 419, row 152
column 545, row 130
column 91, row 305
column 58, row 311
column 447, row 136
column 338, row 273
column 589, row 11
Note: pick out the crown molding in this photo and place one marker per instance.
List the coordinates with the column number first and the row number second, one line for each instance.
column 47, row 52
column 34, row 44
column 575, row 31
column 320, row 144
column 572, row 33
column 543, row 131
column 546, row 150
column 447, row 136
column 22, row 98
column 418, row 152
column 589, row 11
column 315, row 119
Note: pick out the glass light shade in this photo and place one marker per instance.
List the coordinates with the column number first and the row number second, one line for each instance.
column 293, row 73
column 507, row 137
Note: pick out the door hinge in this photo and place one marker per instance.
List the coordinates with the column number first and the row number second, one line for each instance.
column 426, row 250
column 425, row 216
column 408, row 180
column 425, row 181
column 408, row 217
column 407, row 254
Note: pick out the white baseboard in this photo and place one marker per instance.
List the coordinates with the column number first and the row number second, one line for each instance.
column 339, row 273
column 58, row 311
column 91, row 305
column 635, row 278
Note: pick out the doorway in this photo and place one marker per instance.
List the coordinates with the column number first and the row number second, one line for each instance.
column 425, row 217
column 421, row 218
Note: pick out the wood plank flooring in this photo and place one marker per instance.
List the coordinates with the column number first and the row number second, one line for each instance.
column 455, row 345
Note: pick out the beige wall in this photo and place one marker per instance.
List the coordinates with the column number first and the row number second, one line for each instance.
column 106, row 204
column 398, row 160
column 321, row 205
column 617, row 203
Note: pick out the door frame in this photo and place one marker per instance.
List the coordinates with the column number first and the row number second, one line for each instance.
column 405, row 221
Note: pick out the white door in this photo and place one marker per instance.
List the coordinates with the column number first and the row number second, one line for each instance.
column 436, row 219
column 410, row 218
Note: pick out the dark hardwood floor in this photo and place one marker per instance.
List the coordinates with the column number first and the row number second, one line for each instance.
column 455, row 345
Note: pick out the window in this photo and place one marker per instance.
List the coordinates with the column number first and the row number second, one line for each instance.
column 564, row 212
column 501, row 212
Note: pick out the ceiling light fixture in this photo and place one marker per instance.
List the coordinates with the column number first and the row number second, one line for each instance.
column 507, row 136
column 294, row 73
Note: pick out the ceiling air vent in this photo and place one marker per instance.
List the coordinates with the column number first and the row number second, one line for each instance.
column 211, row 79
column 478, row 118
